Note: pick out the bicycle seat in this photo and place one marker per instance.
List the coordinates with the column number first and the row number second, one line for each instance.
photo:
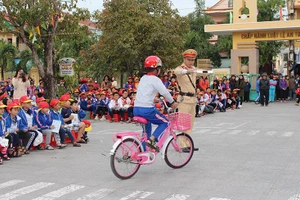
column 140, row 120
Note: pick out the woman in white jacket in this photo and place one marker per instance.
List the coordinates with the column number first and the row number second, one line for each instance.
column 20, row 83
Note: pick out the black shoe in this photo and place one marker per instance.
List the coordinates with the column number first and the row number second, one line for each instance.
column 152, row 144
column 185, row 150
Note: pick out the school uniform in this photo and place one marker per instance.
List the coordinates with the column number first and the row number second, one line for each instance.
column 44, row 121
column 28, row 119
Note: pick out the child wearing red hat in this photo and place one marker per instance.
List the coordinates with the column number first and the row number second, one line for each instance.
column 56, row 115
column 15, row 128
column 27, row 116
column 72, row 116
column 44, row 122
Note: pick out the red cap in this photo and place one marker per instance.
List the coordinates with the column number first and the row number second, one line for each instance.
column 65, row 98
column 12, row 105
column 84, row 80
column 16, row 101
column 54, row 102
column 82, row 93
column 43, row 104
column 40, row 99
column 25, row 99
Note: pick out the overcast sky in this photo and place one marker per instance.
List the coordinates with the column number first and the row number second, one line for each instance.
column 184, row 6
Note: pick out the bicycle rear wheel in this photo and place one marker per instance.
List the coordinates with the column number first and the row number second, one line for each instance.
column 121, row 163
column 174, row 156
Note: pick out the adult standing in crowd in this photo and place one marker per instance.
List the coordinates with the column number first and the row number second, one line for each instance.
column 241, row 86
column 114, row 82
column 273, row 84
column 283, row 87
column 264, row 86
column 106, row 83
column 186, row 78
column 233, row 83
column 292, row 88
column 20, row 83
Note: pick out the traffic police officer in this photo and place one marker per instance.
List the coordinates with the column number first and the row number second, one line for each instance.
column 186, row 78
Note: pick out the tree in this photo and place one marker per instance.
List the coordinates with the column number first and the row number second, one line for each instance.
column 198, row 39
column 268, row 11
column 8, row 53
column 36, row 23
column 132, row 30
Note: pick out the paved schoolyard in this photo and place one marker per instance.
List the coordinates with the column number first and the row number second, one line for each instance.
column 247, row 154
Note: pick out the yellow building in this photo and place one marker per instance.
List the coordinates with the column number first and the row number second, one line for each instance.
column 246, row 31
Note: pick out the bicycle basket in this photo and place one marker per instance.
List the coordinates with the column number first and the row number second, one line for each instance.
column 180, row 121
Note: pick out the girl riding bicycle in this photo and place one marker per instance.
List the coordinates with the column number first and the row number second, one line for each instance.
column 144, row 106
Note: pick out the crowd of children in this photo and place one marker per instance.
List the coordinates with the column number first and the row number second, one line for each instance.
column 23, row 125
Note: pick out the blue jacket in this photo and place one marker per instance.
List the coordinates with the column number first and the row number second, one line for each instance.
column 57, row 116
column 44, row 121
column 22, row 115
column 101, row 102
column 83, row 88
column 247, row 87
column 84, row 103
column 257, row 85
column 20, row 124
column 2, row 127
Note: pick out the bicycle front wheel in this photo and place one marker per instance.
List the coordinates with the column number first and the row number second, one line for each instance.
column 121, row 163
column 175, row 156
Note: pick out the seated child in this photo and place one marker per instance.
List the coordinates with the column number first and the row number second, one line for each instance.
column 114, row 107
column 44, row 122
column 56, row 115
column 73, row 115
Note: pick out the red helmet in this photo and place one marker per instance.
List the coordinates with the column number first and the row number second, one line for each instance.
column 153, row 62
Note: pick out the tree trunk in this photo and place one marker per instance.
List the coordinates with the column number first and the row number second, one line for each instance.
column 50, row 77
column 2, row 72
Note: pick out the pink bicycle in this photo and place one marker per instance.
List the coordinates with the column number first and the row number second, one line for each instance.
column 129, row 153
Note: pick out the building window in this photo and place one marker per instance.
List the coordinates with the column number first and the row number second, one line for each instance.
column 9, row 40
column 230, row 3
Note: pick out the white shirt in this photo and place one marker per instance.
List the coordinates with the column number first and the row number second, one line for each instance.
column 113, row 104
column 124, row 103
column 148, row 87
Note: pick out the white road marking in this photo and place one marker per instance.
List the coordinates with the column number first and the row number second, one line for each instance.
column 218, row 132
column 288, row 134
column 221, row 124
column 97, row 195
column 215, row 198
column 238, row 126
column 253, row 132
column 235, row 132
column 24, row 190
column 270, row 133
column 145, row 195
column 10, row 183
column 138, row 194
column 60, row 192
column 203, row 130
column 295, row 197
column 178, row 197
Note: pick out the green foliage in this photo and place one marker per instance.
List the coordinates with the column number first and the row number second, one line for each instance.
column 37, row 24
column 198, row 39
column 131, row 31
column 7, row 56
column 268, row 11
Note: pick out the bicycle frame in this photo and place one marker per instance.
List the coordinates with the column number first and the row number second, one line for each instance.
column 140, row 138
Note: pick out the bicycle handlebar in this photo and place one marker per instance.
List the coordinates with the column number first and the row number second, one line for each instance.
column 169, row 109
